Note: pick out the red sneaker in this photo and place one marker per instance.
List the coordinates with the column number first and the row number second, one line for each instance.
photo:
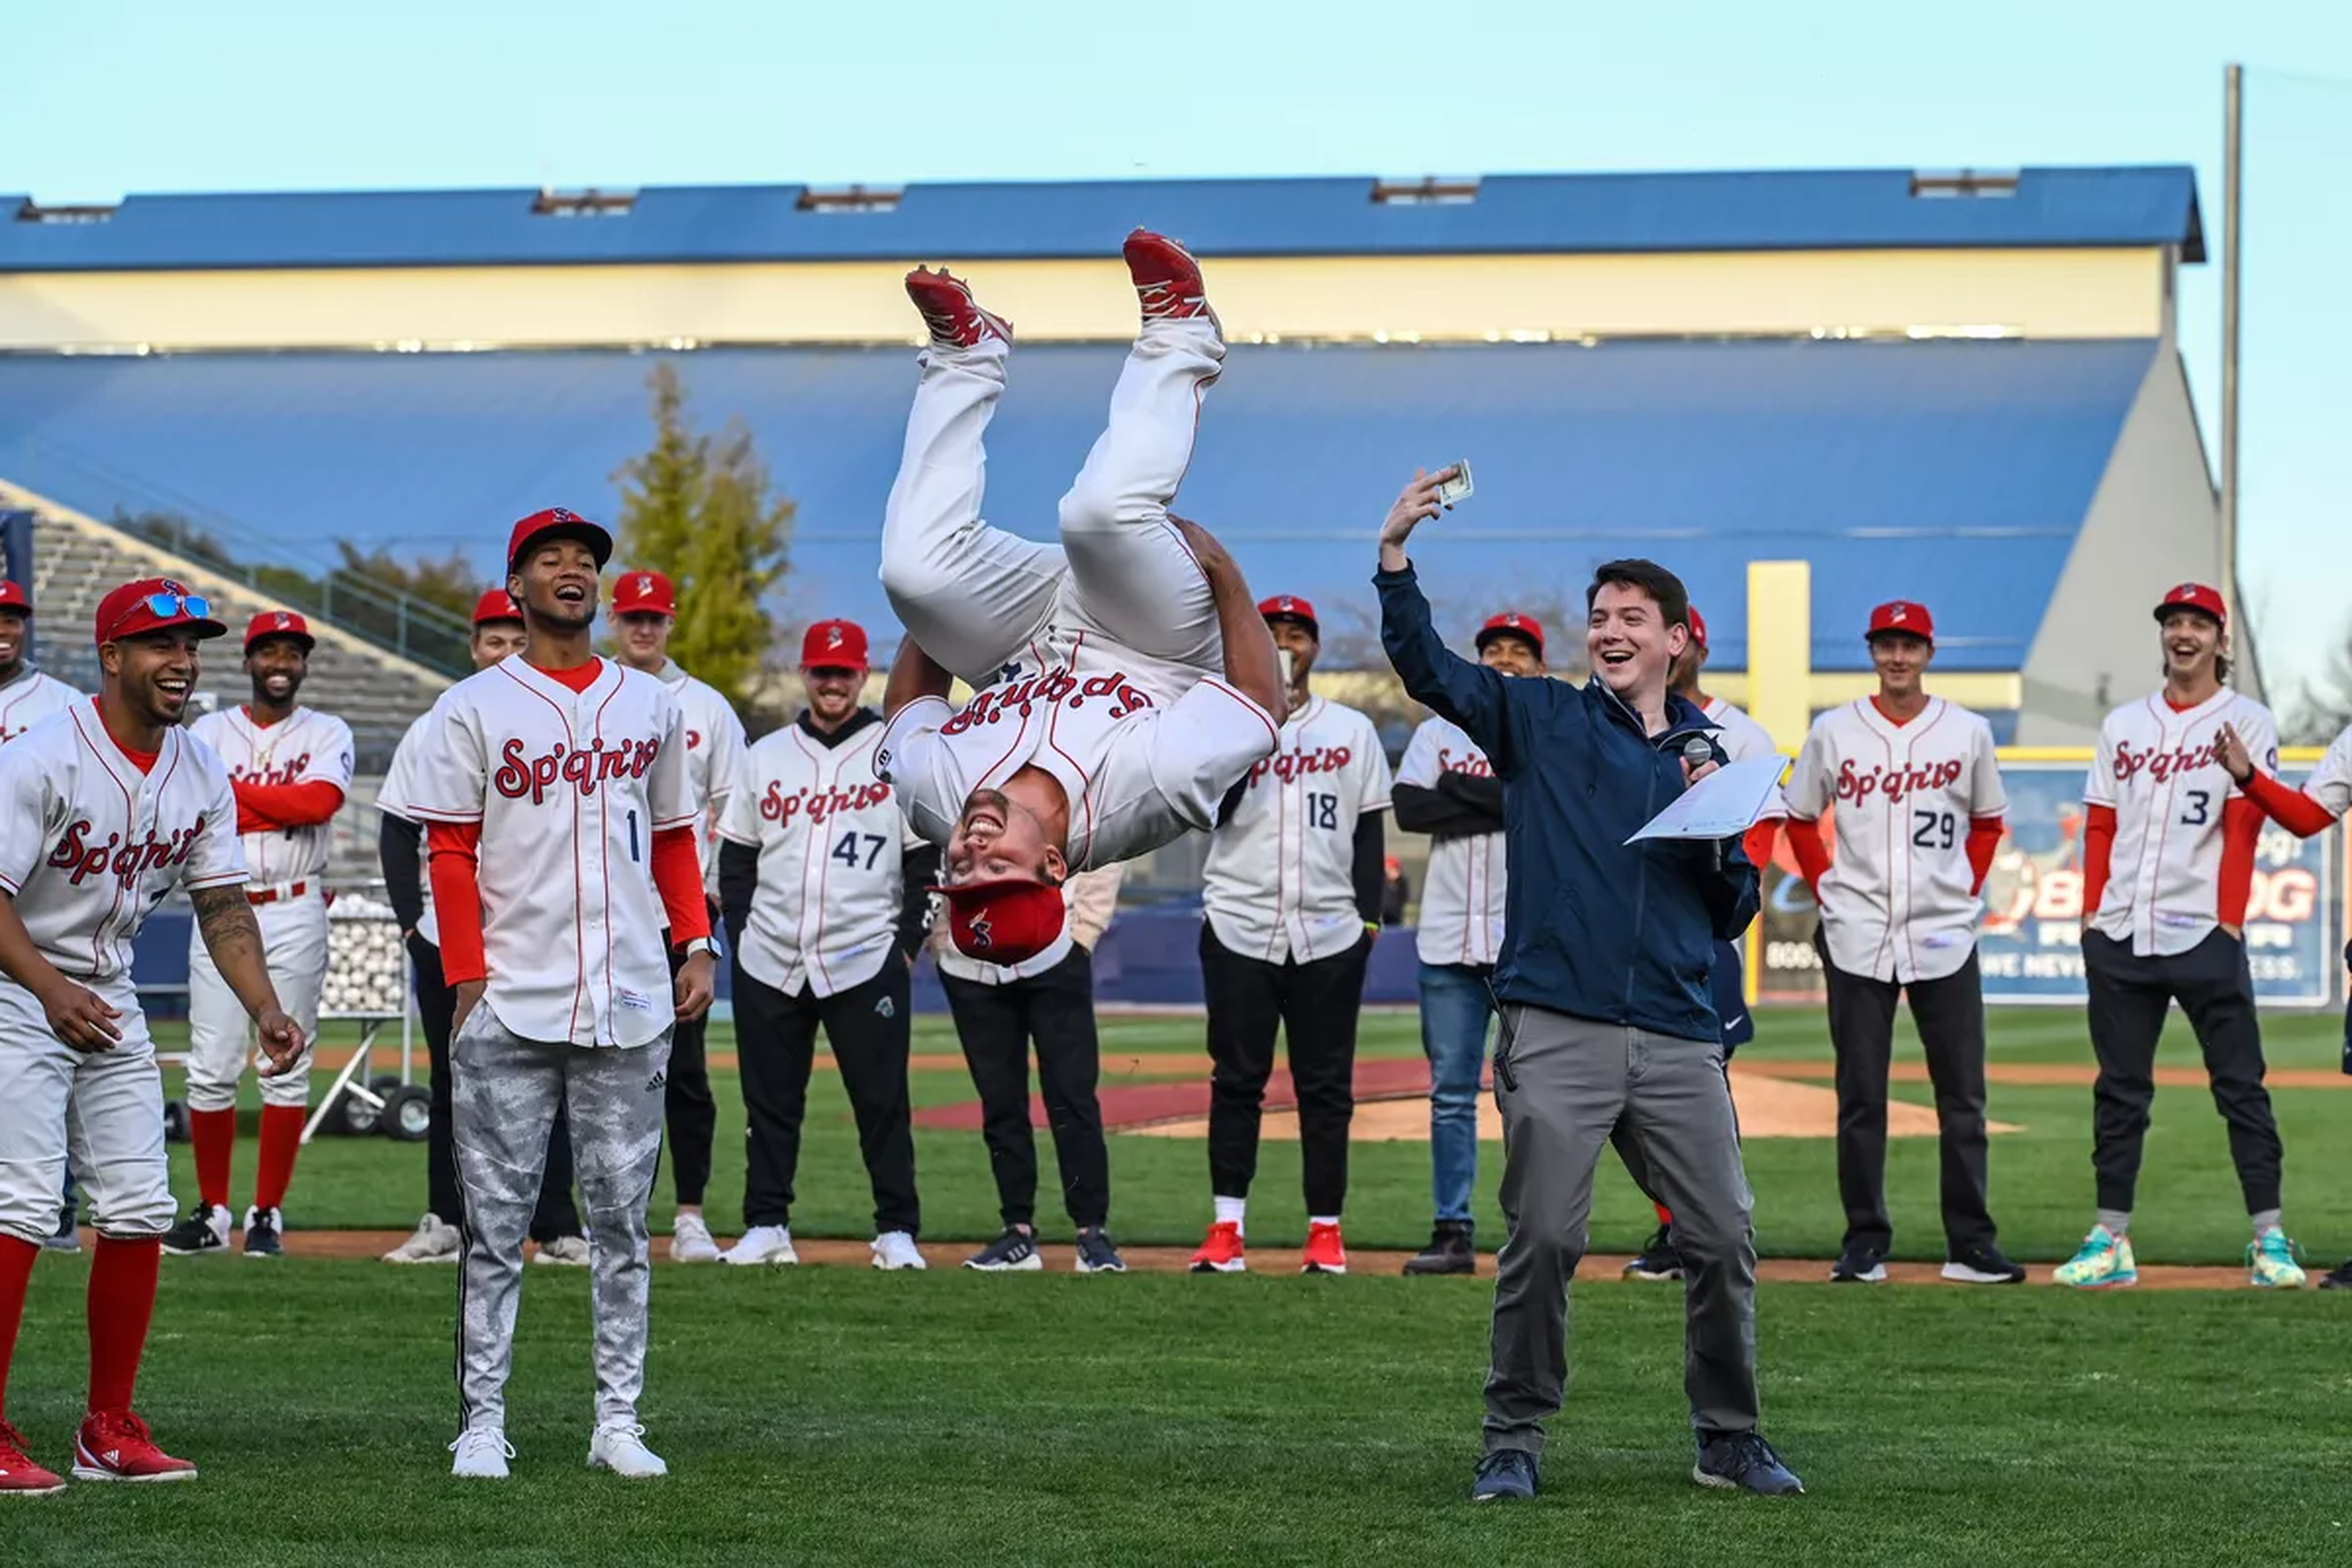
column 1325, row 1252
column 1166, row 278
column 113, row 1445
column 19, row 1476
column 955, row 318
column 1222, row 1252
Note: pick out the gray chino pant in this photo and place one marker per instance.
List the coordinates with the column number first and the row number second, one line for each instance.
column 503, row 1094
column 1566, row 1086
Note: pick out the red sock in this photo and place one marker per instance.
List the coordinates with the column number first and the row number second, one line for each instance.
column 281, row 1140
column 213, row 1133
column 16, row 1272
column 121, row 1304
column 1666, row 1215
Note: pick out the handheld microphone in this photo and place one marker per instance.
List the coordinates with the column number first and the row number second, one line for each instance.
column 1698, row 751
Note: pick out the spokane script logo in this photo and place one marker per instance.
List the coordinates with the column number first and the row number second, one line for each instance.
column 582, row 768
column 272, row 773
column 1287, row 765
column 1054, row 688
column 2158, row 763
column 81, row 860
column 1472, row 763
column 818, row 804
column 1895, row 784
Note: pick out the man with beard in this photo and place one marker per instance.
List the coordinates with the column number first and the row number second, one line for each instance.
column 291, row 766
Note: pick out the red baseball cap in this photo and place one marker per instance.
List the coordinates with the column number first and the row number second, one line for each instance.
column 1289, row 607
column 1698, row 627
column 1903, row 615
column 643, row 592
column 154, row 604
column 278, row 622
column 557, row 523
column 2197, row 596
column 834, row 646
column 12, row 596
column 1007, row 922
column 496, row 605
column 1516, row 624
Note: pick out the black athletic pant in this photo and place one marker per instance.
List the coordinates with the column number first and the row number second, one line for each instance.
column 1949, row 1014
column 997, row 1025
column 1314, row 1004
column 868, row 1028
column 2129, row 998
column 437, row 1005
column 692, row 1115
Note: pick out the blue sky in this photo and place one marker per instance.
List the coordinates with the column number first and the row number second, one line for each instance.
column 141, row 95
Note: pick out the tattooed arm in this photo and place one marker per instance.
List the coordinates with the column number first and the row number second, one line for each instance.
column 234, row 938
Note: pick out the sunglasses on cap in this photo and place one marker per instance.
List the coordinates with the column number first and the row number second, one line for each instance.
column 172, row 607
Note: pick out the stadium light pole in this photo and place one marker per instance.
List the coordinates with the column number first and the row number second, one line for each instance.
column 2232, row 199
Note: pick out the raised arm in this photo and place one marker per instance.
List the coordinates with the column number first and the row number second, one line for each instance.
column 914, row 675
column 1250, row 665
column 1476, row 698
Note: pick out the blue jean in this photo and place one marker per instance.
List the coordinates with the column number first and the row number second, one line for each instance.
column 1455, row 1006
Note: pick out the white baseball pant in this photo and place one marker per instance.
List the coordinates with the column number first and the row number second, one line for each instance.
column 974, row 595
column 103, row 1109
column 221, row 1036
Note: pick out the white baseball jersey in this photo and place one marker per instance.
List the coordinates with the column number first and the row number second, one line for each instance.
column 2330, row 783
column 714, row 756
column 1143, row 752
column 1281, row 878
column 1743, row 737
column 1462, row 897
column 89, row 845
column 305, row 747
column 569, row 789
column 28, row 699
column 2157, row 768
column 831, row 874
column 393, row 795
column 1899, row 901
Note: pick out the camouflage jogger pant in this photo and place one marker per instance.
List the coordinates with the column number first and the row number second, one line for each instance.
column 505, row 1090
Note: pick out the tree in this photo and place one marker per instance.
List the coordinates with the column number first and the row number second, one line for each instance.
column 448, row 580
column 702, row 510
column 2325, row 705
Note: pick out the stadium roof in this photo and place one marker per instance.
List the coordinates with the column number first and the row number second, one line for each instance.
column 1954, row 472
column 1549, row 213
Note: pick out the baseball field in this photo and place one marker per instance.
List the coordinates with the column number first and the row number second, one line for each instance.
column 834, row 1413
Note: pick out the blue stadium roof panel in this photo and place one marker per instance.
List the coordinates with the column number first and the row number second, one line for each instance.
column 1953, row 472
column 1844, row 209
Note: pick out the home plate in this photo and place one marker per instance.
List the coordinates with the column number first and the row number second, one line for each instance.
column 1770, row 1107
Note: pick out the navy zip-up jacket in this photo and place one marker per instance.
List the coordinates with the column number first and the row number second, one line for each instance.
column 1593, row 927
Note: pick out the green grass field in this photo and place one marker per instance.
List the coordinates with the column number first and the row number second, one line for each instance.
column 845, row 1416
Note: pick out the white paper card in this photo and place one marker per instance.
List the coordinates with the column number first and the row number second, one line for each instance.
column 1724, row 804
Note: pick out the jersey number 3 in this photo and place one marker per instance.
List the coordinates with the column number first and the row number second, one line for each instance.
column 847, row 850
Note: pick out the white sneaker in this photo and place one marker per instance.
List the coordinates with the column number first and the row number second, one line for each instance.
column 569, row 1251
column 621, row 1448
column 482, row 1455
column 690, row 1241
column 434, row 1242
column 894, row 1249
column 763, row 1244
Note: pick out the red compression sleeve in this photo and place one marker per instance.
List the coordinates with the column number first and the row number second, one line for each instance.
column 262, row 807
column 1804, row 838
column 2241, row 827
column 677, row 876
column 1984, row 840
column 456, row 851
column 1758, row 843
column 2293, row 810
column 2098, row 845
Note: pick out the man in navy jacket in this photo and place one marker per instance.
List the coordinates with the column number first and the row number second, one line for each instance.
column 1609, row 1024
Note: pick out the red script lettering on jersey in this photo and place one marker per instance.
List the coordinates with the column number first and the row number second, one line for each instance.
column 81, row 860
column 1287, row 765
column 1894, row 782
column 274, row 773
column 1053, row 687
column 818, row 804
column 2159, row 764
column 1469, row 762
column 523, row 774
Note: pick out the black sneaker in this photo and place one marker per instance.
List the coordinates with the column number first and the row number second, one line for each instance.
column 205, row 1229
column 1858, row 1265
column 1016, row 1250
column 1983, row 1265
column 1743, row 1460
column 1095, row 1253
column 1504, row 1476
column 68, row 1236
column 2340, row 1279
column 1659, row 1258
column 260, row 1233
column 1449, row 1251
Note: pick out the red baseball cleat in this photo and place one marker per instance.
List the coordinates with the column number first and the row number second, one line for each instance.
column 1167, row 280
column 1325, row 1252
column 19, row 1476
column 955, row 318
column 113, row 1445
column 1222, row 1252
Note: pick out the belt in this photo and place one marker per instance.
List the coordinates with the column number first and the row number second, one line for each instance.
column 257, row 896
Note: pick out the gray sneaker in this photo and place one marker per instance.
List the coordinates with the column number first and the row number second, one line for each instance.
column 566, row 1251
column 1015, row 1251
column 1096, row 1255
column 435, row 1242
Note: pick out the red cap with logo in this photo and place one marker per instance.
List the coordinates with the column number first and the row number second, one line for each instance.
column 1006, row 922
column 834, row 646
column 496, row 605
column 2197, row 596
column 12, row 596
column 643, row 592
column 1698, row 627
column 1516, row 624
column 556, row 522
column 1290, row 606
column 278, row 622
column 154, row 604
column 1902, row 615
